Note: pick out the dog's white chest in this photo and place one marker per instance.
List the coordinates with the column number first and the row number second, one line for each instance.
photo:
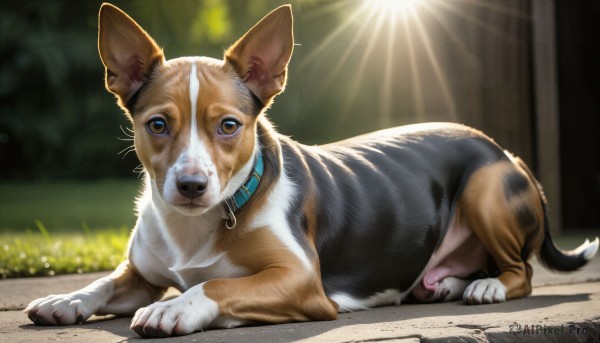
column 166, row 267
column 182, row 260
column 212, row 268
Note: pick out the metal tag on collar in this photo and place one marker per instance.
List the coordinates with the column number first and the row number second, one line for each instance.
column 230, row 217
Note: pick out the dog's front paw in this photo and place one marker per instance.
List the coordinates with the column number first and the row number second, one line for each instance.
column 190, row 312
column 485, row 291
column 62, row 309
column 159, row 320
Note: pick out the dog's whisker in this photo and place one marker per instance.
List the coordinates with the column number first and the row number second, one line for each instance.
column 139, row 170
column 126, row 151
column 129, row 134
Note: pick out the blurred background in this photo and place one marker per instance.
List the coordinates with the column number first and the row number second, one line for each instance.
column 526, row 72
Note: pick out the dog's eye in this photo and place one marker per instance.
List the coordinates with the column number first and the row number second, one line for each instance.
column 157, row 126
column 229, row 127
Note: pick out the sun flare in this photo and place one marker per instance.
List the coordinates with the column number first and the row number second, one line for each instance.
column 394, row 7
column 393, row 40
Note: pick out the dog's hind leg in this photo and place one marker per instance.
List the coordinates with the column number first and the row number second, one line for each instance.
column 448, row 289
column 504, row 209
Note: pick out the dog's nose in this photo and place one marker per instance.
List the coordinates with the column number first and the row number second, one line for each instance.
column 192, row 186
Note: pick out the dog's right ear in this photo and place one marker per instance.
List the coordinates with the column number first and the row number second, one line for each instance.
column 127, row 52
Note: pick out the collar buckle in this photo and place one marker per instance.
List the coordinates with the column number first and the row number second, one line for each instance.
column 243, row 194
column 230, row 216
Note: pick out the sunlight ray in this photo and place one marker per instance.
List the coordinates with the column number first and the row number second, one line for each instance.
column 496, row 7
column 316, row 52
column 444, row 22
column 439, row 73
column 354, row 88
column 324, row 9
column 387, row 88
column 393, row 7
column 331, row 77
column 480, row 23
column 414, row 72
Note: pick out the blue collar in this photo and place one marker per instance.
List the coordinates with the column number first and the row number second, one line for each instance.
column 243, row 194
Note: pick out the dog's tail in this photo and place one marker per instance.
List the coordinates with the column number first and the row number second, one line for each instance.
column 562, row 260
column 549, row 253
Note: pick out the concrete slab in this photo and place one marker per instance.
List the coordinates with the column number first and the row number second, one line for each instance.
column 562, row 308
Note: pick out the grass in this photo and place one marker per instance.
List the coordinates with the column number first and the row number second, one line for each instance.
column 44, row 254
column 64, row 227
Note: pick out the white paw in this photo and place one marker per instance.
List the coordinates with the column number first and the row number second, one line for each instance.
column 190, row 312
column 451, row 288
column 62, row 309
column 485, row 291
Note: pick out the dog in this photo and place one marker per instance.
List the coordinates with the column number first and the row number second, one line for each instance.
column 253, row 227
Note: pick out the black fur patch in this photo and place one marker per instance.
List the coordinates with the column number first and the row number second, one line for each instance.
column 515, row 183
column 130, row 105
column 525, row 216
column 255, row 106
column 133, row 100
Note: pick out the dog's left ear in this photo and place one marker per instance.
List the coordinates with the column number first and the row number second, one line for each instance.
column 262, row 55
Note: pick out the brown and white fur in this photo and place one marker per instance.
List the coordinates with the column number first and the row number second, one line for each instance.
column 434, row 211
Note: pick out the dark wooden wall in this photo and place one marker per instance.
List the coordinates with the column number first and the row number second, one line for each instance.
column 578, row 54
column 485, row 52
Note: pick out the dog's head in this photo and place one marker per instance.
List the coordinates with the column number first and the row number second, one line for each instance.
column 195, row 118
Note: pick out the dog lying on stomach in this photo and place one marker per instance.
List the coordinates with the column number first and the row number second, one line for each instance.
column 252, row 226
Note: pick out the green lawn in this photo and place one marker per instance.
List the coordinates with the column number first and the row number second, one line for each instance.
column 67, row 206
column 64, row 227
column 44, row 254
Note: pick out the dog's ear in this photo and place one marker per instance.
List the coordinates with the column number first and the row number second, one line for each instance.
column 127, row 52
column 261, row 56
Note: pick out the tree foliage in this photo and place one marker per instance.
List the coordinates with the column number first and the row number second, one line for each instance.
column 56, row 119
column 355, row 68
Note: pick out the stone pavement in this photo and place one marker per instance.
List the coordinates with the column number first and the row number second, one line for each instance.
column 562, row 308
